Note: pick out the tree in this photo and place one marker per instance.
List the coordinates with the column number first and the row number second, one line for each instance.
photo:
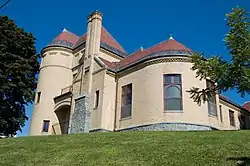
column 226, row 75
column 18, row 69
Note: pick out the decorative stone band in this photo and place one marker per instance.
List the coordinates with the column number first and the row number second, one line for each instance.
column 148, row 62
column 54, row 66
column 61, row 43
column 55, row 48
column 163, row 54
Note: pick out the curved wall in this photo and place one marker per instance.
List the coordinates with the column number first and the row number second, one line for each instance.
column 147, row 97
column 55, row 74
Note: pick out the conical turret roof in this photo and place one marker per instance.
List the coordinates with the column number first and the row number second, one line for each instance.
column 65, row 39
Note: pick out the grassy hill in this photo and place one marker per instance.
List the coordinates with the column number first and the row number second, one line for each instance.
column 128, row 148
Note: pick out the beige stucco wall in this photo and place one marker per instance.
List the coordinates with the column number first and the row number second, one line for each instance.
column 108, row 107
column 225, row 124
column 76, row 58
column 96, row 114
column 147, row 97
column 55, row 74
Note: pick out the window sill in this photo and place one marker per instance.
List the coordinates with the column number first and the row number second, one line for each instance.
column 122, row 119
column 213, row 116
column 173, row 111
column 95, row 108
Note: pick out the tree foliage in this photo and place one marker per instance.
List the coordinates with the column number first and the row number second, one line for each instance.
column 18, row 69
column 227, row 75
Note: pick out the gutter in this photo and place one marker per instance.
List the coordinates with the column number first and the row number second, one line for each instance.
column 231, row 102
column 116, row 97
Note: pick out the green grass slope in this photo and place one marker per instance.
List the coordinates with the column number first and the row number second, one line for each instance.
column 127, row 148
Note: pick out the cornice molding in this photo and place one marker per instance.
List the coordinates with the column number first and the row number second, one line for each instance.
column 112, row 74
column 152, row 62
column 55, row 48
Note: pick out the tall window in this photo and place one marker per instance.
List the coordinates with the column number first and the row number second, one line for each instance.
column 212, row 108
column 45, row 126
column 126, row 104
column 38, row 97
column 96, row 98
column 221, row 117
column 172, row 92
column 231, row 118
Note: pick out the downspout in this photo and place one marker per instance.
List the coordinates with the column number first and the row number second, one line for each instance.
column 116, row 100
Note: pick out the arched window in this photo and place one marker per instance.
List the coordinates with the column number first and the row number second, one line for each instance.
column 172, row 92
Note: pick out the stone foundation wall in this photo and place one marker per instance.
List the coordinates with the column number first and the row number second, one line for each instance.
column 168, row 127
column 163, row 127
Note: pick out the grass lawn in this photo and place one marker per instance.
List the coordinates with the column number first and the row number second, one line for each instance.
column 127, row 148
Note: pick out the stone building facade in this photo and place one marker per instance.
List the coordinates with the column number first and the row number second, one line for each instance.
column 90, row 83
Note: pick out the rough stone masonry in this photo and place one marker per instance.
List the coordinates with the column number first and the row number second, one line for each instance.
column 81, row 117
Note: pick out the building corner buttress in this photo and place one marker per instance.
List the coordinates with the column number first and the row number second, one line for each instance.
column 81, row 118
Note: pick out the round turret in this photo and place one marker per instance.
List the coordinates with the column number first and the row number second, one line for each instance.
column 55, row 74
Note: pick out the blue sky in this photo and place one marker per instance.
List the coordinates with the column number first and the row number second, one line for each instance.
column 200, row 25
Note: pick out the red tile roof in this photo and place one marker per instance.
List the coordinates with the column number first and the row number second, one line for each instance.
column 106, row 38
column 81, row 40
column 67, row 36
column 247, row 106
column 167, row 45
column 163, row 46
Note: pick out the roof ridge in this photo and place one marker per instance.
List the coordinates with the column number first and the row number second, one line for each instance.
column 67, row 31
column 138, row 50
column 145, row 49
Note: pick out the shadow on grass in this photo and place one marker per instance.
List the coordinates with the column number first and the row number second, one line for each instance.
column 242, row 161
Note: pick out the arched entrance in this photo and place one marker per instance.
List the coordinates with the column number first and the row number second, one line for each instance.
column 63, row 115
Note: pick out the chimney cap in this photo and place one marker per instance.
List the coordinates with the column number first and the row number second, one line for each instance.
column 96, row 12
